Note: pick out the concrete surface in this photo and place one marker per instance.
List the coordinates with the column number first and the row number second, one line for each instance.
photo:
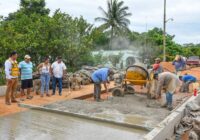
column 130, row 109
column 37, row 125
column 165, row 129
column 37, row 100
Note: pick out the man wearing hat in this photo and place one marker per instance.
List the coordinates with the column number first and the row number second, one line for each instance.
column 26, row 70
column 157, row 67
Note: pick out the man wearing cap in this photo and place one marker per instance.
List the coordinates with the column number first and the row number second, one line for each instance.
column 58, row 69
column 26, row 70
column 157, row 67
column 12, row 73
column 98, row 77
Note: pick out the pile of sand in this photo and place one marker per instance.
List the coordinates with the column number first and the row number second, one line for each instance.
column 194, row 71
column 167, row 66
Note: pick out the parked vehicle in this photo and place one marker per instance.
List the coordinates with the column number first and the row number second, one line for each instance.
column 193, row 61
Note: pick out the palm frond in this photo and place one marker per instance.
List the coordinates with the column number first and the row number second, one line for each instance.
column 104, row 12
column 101, row 19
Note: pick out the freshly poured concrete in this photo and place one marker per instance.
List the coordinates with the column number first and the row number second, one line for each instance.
column 131, row 109
column 41, row 125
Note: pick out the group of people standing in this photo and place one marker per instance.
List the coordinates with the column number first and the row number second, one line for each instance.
column 168, row 81
column 24, row 72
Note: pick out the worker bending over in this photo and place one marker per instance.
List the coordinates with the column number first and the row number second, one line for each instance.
column 168, row 82
column 187, row 80
column 98, row 77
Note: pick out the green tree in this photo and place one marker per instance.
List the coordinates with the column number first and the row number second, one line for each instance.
column 114, row 18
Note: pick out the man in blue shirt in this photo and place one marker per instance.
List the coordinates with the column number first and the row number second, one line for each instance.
column 187, row 80
column 26, row 70
column 179, row 64
column 98, row 77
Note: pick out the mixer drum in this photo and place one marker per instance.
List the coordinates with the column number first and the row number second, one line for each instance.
column 136, row 75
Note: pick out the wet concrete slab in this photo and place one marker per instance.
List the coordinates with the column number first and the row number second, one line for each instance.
column 40, row 125
column 131, row 109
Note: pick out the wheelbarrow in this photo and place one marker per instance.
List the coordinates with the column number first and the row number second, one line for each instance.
column 135, row 75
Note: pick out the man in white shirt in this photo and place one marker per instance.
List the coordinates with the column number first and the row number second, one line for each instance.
column 58, row 69
column 12, row 73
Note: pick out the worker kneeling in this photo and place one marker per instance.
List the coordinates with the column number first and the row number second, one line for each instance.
column 187, row 80
column 168, row 82
column 100, row 76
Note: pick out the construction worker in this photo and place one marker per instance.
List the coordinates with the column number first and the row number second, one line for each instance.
column 168, row 82
column 179, row 64
column 100, row 76
column 12, row 73
column 26, row 70
column 187, row 80
column 157, row 67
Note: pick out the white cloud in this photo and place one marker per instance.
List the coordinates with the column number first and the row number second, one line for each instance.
column 186, row 14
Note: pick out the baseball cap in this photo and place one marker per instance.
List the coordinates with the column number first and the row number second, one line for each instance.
column 157, row 59
column 27, row 56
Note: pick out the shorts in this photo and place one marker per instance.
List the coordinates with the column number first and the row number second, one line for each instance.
column 28, row 83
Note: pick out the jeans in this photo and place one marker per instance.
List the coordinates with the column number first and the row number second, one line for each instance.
column 45, row 79
column 185, row 86
column 97, row 90
column 54, row 82
column 169, row 98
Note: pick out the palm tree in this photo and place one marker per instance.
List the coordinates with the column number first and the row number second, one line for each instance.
column 115, row 18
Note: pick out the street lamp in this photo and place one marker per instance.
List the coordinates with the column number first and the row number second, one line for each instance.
column 164, row 31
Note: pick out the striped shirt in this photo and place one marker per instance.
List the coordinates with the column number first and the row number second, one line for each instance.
column 26, row 70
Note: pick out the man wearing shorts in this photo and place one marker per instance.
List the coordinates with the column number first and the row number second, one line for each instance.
column 26, row 70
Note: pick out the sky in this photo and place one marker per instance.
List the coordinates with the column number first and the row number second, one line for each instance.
column 146, row 14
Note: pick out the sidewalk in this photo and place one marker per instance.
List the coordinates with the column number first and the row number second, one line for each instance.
column 37, row 100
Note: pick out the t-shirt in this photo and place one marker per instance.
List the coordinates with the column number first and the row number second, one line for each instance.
column 26, row 70
column 8, row 67
column 190, row 78
column 169, row 81
column 100, row 75
column 179, row 65
column 157, row 68
column 58, row 69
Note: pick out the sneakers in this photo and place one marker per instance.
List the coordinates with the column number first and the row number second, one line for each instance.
column 14, row 101
column 29, row 97
column 48, row 95
column 169, row 107
column 99, row 100
column 164, row 105
column 8, row 103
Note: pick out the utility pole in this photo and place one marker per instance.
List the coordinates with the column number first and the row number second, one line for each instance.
column 164, row 32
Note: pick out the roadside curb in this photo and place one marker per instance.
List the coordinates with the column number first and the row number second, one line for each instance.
column 165, row 129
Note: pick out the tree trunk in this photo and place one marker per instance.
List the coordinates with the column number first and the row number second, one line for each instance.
column 111, row 39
